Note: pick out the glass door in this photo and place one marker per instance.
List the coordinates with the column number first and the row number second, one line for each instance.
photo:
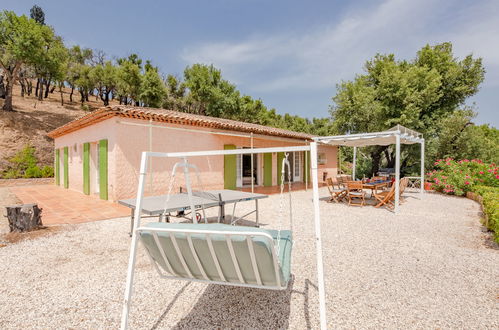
column 297, row 166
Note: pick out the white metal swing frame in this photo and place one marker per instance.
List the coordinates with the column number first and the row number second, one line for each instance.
column 137, row 219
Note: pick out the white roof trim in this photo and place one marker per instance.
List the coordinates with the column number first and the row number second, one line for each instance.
column 369, row 139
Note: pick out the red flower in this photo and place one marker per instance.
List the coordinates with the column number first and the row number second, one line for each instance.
column 466, row 182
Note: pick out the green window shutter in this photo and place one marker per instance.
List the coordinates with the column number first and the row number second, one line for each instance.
column 230, row 170
column 86, row 168
column 280, row 157
column 306, row 171
column 57, row 167
column 103, row 169
column 66, row 168
column 267, row 170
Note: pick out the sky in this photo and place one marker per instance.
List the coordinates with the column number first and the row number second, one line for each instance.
column 290, row 54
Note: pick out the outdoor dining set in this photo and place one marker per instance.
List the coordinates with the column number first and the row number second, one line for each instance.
column 355, row 192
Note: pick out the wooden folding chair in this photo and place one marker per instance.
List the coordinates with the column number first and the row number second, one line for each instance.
column 355, row 192
column 386, row 198
column 342, row 180
column 336, row 194
column 403, row 184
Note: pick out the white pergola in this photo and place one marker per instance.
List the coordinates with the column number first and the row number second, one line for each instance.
column 397, row 135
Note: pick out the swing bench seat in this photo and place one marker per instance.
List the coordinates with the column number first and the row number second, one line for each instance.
column 219, row 253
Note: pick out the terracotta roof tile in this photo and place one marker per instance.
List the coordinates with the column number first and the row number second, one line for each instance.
column 173, row 117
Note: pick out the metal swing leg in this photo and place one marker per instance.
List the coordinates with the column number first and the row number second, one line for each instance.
column 256, row 208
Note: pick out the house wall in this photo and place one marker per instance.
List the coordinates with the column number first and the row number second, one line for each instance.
column 132, row 140
column 126, row 144
column 74, row 141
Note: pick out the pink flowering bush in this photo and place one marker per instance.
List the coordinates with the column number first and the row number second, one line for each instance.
column 459, row 177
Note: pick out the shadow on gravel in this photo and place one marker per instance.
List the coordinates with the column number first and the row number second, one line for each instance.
column 221, row 307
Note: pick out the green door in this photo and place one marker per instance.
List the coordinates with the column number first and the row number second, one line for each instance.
column 230, row 170
column 267, row 170
column 280, row 157
column 86, row 168
column 66, row 168
column 103, row 169
column 57, row 167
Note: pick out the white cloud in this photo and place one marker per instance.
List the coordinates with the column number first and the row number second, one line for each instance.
column 323, row 56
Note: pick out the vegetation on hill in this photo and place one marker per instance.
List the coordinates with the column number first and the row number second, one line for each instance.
column 32, row 51
column 26, row 165
column 427, row 93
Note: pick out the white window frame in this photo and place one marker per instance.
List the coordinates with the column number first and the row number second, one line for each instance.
column 297, row 166
column 239, row 170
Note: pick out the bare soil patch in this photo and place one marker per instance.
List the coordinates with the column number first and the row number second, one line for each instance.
column 31, row 120
column 15, row 237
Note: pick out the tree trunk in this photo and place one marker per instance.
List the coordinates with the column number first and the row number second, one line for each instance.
column 390, row 158
column 52, row 89
column 29, row 83
column 47, row 88
column 40, row 91
column 376, row 159
column 24, row 217
column 7, row 105
column 37, row 86
column 2, row 87
column 23, row 86
column 62, row 95
column 71, row 94
column 82, row 96
column 104, row 96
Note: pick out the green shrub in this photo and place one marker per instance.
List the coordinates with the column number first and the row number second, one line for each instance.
column 33, row 172
column 47, row 172
column 459, row 177
column 11, row 174
column 490, row 202
column 24, row 159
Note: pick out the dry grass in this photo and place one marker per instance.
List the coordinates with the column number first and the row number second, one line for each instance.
column 16, row 237
column 31, row 121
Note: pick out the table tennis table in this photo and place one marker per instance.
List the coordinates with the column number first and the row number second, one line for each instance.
column 155, row 205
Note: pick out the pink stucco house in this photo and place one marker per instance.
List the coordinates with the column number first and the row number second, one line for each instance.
column 100, row 152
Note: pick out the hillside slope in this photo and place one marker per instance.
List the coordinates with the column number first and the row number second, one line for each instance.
column 31, row 121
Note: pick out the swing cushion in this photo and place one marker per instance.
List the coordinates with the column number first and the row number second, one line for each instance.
column 262, row 247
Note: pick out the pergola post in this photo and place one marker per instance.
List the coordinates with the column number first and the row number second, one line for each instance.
column 397, row 172
column 422, row 168
column 318, row 240
column 354, row 162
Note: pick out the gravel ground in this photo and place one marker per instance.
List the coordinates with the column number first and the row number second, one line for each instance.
column 429, row 267
column 7, row 198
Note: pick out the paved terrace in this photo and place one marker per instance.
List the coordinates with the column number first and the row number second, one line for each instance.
column 64, row 206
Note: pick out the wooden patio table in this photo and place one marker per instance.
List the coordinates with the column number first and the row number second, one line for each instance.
column 375, row 185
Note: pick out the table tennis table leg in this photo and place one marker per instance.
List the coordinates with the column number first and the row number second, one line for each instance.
column 132, row 211
column 221, row 213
